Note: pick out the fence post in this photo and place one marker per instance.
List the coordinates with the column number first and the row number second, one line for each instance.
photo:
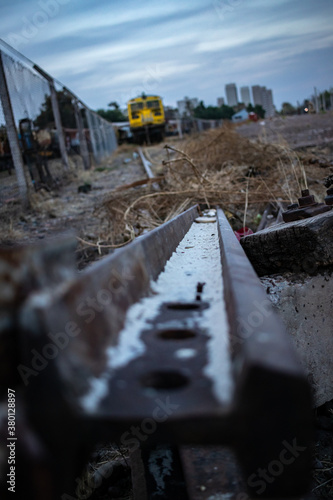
column 82, row 138
column 56, row 114
column 12, row 135
column 104, row 139
column 58, row 124
column 92, row 135
column 179, row 129
column 99, row 135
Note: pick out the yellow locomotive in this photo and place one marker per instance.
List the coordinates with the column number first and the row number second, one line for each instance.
column 146, row 117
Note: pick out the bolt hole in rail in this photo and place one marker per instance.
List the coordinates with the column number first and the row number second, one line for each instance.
column 184, row 345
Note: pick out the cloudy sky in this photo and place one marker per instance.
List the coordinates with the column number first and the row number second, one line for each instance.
column 113, row 50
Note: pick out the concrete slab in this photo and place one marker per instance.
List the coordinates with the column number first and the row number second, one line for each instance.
column 305, row 305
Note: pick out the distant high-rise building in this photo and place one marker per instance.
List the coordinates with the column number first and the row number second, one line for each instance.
column 270, row 110
column 231, row 93
column 263, row 97
column 256, row 95
column 220, row 101
column 245, row 95
column 186, row 105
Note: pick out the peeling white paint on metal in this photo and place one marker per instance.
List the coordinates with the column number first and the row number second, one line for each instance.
column 196, row 260
column 160, row 466
column 185, row 353
column 98, row 390
column 205, row 219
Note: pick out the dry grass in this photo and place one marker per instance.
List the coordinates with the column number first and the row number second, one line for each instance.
column 217, row 167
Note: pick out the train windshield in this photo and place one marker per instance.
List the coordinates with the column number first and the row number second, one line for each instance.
column 153, row 104
column 136, row 106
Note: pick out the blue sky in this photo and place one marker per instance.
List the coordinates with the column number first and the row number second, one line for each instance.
column 113, row 50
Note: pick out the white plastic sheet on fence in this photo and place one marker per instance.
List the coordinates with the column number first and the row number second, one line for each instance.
column 30, row 98
column 28, row 91
column 102, row 135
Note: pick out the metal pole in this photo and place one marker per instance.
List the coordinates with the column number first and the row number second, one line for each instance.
column 56, row 114
column 316, row 100
column 179, row 128
column 12, row 135
column 92, row 135
column 323, row 100
column 83, row 142
column 57, row 119
column 99, row 136
column 103, row 135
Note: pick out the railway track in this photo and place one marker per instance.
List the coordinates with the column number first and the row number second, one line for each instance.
column 169, row 342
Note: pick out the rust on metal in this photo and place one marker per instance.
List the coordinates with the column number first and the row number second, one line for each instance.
column 329, row 197
column 305, row 208
column 162, row 387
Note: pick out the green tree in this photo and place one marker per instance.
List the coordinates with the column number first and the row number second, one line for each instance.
column 114, row 105
column 213, row 112
column 227, row 112
column 288, row 109
column 112, row 115
column 46, row 119
column 259, row 111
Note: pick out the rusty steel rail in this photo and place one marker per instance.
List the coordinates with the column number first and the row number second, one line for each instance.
column 87, row 368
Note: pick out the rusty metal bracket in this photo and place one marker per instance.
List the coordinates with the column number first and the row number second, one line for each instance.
column 329, row 197
column 305, row 208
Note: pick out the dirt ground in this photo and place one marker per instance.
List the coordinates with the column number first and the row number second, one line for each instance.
column 66, row 209
column 299, row 130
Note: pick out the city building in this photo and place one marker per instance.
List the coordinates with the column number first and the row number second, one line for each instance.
column 256, row 95
column 245, row 95
column 231, row 94
column 263, row 97
column 270, row 110
column 187, row 105
column 220, row 102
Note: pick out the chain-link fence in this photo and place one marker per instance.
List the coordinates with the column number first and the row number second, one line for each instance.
column 43, row 125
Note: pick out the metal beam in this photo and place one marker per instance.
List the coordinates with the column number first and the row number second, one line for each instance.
column 115, row 370
column 12, row 134
column 82, row 137
column 56, row 115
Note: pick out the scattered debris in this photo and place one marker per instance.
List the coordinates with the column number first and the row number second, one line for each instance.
column 85, row 188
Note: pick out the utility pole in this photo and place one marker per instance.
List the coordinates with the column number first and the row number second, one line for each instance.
column 12, row 135
column 316, row 100
column 323, row 101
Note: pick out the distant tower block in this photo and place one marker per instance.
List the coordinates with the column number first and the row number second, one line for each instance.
column 231, row 93
column 263, row 97
column 245, row 95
